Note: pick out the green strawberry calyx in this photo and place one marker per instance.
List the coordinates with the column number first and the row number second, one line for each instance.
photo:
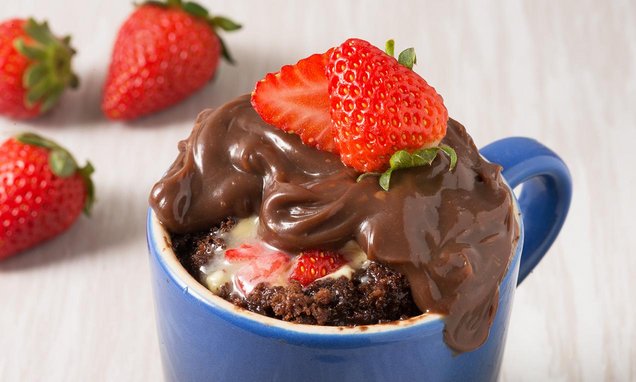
column 63, row 164
column 197, row 10
column 406, row 58
column 403, row 159
column 49, row 72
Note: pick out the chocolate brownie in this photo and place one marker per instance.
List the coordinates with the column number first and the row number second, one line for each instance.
column 374, row 294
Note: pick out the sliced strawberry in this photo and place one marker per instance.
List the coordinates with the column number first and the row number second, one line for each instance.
column 245, row 252
column 314, row 264
column 258, row 264
column 296, row 100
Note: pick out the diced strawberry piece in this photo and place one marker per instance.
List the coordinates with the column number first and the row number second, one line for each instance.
column 296, row 100
column 259, row 264
column 243, row 253
column 314, row 264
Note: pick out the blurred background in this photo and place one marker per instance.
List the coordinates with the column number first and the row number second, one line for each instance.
column 80, row 307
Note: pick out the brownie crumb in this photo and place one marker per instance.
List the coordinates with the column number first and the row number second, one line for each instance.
column 375, row 294
column 196, row 249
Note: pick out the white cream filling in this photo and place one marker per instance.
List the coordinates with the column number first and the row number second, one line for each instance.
column 219, row 271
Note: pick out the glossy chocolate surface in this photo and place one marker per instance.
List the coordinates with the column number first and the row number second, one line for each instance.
column 452, row 233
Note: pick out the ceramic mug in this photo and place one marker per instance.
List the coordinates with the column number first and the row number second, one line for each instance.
column 205, row 338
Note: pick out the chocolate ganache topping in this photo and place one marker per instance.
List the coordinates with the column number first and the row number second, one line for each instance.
column 452, row 233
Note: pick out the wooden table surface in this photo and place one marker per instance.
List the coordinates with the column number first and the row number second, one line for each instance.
column 79, row 308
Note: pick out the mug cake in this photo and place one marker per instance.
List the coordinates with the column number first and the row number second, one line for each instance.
column 340, row 193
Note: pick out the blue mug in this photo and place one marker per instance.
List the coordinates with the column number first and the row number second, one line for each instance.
column 205, row 338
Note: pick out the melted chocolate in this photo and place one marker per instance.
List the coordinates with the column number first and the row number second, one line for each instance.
column 452, row 233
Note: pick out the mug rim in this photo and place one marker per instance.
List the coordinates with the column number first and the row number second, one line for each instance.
column 159, row 245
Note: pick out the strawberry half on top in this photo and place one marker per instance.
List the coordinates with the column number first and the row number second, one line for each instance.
column 35, row 68
column 42, row 192
column 163, row 53
column 296, row 101
column 361, row 103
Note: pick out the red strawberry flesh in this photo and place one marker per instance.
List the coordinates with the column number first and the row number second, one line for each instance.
column 245, row 252
column 12, row 67
column 314, row 264
column 296, row 100
column 379, row 106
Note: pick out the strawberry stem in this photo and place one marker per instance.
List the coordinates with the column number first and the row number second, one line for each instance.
column 389, row 47
column 50, row 71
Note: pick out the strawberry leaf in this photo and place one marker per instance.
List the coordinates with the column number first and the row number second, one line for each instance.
column 451, row 154
column 195, row 9
column 86, row 172
column 39, row 32
column 403, row 159
column 225, row 52
column 51, row 99
column 31, row 52
column 385, row 179
column 367, row 175
column 74, row 82
column 38, row 91
column 36, row 140
column 62, row 163
column 155, row 3
column 407, row 58
column 34, row 74
column 225, row 23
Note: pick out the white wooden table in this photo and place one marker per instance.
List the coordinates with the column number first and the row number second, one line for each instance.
column 80, row 307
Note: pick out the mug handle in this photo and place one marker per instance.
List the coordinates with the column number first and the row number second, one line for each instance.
column 545, row 195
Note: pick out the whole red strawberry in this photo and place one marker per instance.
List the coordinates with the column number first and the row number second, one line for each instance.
column 162, row 54
column 42, row 192
column 314, row 264
column 380, row 106
column 35, row 68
